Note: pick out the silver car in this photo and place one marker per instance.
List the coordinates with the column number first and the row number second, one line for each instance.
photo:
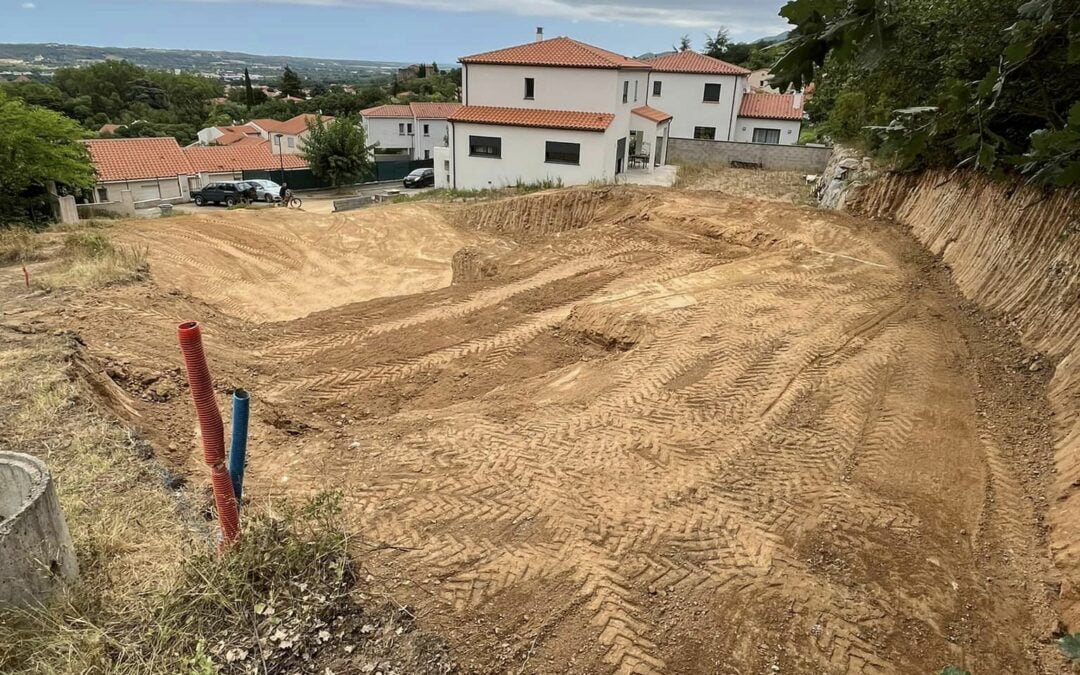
column 265, row 190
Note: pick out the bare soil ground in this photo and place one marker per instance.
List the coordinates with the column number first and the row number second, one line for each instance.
column 620, row 430
column 780, row 186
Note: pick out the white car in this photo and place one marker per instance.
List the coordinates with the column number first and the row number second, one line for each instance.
column 266, row 190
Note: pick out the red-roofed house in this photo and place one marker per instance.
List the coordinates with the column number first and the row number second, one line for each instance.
column 557, row 110
column 410, row 131
column 769, row 118
column 285, row 137
column 157, row 170
column 228, row 135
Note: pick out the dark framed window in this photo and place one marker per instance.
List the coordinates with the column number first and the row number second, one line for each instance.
column 705, row 133
column 409, row 127
column 562, row 153
column 625, row 91
column 427, row 130
column 771, row 136
column 635, row 90
column 530, row 87
column 485, row 146
column 656, row 87
column 712, row 93
column 401, row 128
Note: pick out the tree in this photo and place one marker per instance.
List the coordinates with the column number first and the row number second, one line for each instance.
column 986, row 83
column 291, row 84
column 249, row 92
column 684, row 44
column 435, row 67
column 717, row 46
column 337, row 151
column 37, row 146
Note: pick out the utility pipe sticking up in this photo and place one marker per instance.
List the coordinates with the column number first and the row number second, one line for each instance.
column 210, row 426
column 238, row 450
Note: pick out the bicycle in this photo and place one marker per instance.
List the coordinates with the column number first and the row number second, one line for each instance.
column 295, row 202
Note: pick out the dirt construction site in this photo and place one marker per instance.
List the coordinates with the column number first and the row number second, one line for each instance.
column 618, row 430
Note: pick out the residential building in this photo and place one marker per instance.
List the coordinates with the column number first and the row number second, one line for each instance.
column 286, row 137
column 229, row 135
column 759, row 82
column 158, row 170
column 557, row 110
column 411, row 131
column 769, row 118
column 702, row 93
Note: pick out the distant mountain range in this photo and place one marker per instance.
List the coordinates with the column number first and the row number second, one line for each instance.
column 43, row 59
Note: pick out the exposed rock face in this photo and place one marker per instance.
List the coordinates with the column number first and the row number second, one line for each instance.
column 846, row 169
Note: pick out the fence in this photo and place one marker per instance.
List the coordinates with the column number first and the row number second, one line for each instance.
column 767, row 156
column 304, row 179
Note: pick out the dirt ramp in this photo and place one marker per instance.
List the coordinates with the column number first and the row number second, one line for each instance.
column 541, row 214
column 1015, row 250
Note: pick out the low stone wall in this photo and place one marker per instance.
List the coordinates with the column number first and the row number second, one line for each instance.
column 768, row 156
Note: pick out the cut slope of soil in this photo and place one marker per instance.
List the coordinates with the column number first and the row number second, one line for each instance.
column 643, row 431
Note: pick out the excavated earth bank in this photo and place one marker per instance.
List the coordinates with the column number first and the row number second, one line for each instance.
column 629, row 431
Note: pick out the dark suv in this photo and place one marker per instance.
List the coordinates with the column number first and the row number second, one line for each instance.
column 222, row 193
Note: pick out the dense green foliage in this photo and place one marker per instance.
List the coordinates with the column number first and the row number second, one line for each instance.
column 337, row 151
column 993, row 84
column 37, row 146
column 752, row 55
column 159, row 103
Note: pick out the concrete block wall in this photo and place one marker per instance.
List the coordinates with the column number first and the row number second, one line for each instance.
column 772, row 157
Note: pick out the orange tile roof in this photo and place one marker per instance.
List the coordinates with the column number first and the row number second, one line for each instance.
column 427, row 111
column 388, row 111
column 771, row 106
column 560, row 51
column 118, row 159
column 692, row 62
column 532, row 117
column 651, row 114
column 237, row 157
column 292, row 127
column 232, row 137
column 433, row 111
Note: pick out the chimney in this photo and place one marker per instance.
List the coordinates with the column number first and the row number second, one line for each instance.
column 796, row 100
column 539, row 33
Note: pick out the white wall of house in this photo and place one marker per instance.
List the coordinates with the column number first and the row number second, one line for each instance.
column 389, row 133
column 744, row 129
column 523, row 153
column 209, row 135
column 585, row 89
column 289, row 144
column 168, row 189
column 443, row 167
column 430, row 134
column 682, row 96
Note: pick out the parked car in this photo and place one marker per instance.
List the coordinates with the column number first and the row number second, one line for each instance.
column 223, row 193
column 266, row 190
column 420, row 178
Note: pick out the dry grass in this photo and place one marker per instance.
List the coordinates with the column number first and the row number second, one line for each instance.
column 89, row 259
column 19, row 245
column 127, row 531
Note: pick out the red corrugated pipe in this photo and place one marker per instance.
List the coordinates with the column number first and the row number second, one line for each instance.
column 213, row 431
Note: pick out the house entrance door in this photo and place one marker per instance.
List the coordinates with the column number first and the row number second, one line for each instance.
column 620, row 153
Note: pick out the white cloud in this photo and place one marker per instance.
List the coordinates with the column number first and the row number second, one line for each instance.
column 741, row 17
column 28, row 5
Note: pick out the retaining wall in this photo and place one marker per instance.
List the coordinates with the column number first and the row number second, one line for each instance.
column 1014, row 249
column 773, row 157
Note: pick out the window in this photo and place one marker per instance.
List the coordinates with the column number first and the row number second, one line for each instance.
column 427, row 130
column 103, row 195
column 635, row 90
column 625, row 91
column 408, row 127
column 530, row 87
column 656, row 87
column 562, row 153
column 427, row 154
column 712, row 93
column 446, row 165
column 292, row 142
column 766, row 136
column 401, row 128
column 705, row 133
column 485, row 146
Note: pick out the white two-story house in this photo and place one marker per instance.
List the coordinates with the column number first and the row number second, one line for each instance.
column 550, row 110
column 703, row 94
column 407, row 131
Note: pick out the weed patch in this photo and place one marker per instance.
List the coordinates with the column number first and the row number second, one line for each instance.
column 19, row 245
column 88, row 259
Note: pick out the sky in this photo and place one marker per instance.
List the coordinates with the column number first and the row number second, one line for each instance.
column 391, row 30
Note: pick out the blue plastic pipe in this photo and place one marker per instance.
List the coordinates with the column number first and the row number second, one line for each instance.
column 238, row 450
